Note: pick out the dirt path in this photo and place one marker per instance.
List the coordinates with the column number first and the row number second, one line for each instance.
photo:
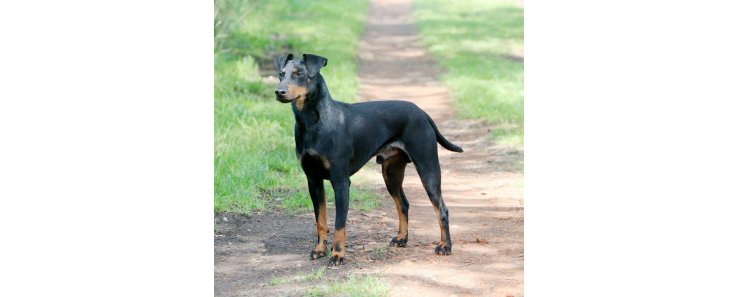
column 483, row 187
column 266, row 254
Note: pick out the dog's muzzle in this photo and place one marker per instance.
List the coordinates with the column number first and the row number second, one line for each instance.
column 280, row 96
column 282, row 99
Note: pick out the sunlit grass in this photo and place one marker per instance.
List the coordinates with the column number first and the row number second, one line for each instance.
column 255, row 162
column 355, row 286
column 480, row 45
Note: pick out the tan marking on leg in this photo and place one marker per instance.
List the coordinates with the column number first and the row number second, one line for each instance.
column 322, row 228
column 443, row 233
column 394, row 158
column 338, row 244
column 403, row 225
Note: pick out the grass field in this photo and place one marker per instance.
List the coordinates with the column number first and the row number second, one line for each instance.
column 480, row 44
column 255, row 163
column 353, row 286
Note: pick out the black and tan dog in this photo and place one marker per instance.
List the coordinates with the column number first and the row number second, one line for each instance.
column 333, row 140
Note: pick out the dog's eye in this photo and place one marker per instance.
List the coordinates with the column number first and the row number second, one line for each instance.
column 281, row 75
column 299, row 74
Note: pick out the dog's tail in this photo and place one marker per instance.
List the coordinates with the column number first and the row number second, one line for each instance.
column 442, row 140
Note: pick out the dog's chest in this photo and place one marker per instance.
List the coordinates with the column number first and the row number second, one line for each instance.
column 315, row 163
column 316, row 141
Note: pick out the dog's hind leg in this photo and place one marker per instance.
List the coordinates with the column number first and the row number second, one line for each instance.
column 393, row 173
column 427, row 165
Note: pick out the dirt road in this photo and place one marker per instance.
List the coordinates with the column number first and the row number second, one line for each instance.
column 267, row 254
column 482, row 187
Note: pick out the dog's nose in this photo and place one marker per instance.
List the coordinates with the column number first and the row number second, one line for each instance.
column 280, row 92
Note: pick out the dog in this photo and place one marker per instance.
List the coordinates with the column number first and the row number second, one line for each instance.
column 333, row 140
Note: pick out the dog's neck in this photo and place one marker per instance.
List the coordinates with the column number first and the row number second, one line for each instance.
column 318, row 101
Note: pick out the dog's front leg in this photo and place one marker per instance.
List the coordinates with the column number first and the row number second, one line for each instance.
column 341, row 191
column 318, row 197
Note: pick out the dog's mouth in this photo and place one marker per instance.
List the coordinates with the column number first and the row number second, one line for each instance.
column 286, row 100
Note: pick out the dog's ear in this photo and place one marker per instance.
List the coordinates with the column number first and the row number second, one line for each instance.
column 281, row 60
column 314, row 63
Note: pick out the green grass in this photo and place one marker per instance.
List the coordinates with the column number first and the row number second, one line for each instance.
column 255, row 163
column 477, row 42
column 361, row 197
column 315, row 284
column 359, row 286
column 380, row 251
column 314, row 275
column 276, row 281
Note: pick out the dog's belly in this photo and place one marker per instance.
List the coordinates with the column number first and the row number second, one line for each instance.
column 390, row 150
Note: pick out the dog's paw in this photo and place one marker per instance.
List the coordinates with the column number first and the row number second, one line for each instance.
column 317, row 254
column 443, row 249
column 335, row 261
column 398, row 242
column 319, row 251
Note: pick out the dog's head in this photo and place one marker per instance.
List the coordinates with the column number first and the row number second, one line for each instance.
column 296, row 77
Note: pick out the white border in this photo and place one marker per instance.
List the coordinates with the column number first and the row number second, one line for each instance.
column 106, row 119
